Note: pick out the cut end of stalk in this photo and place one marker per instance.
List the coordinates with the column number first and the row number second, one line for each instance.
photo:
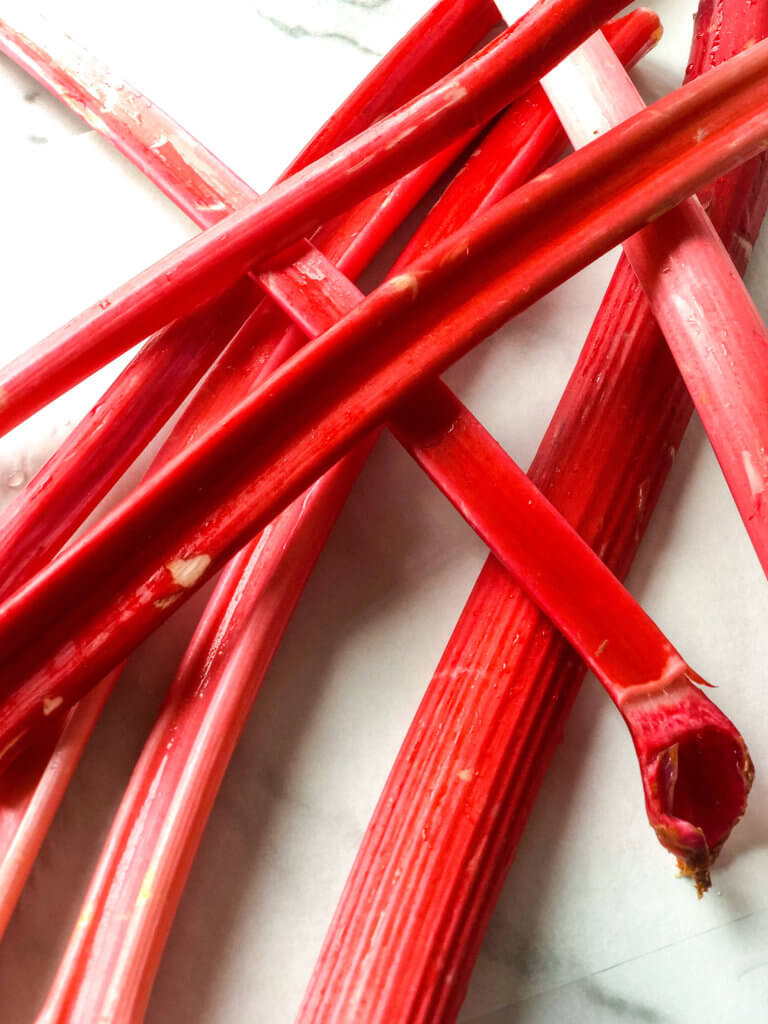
column 696, row 771
column 696, row 791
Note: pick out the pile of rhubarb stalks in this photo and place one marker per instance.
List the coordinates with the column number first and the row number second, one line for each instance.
column 520, row 154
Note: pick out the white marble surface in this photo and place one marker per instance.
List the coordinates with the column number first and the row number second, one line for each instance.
column 593, row 925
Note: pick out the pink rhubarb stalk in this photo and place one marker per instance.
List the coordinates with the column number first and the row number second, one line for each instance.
column 98, row 451
column 155, row 549
column 471, row 783
column 198, row 183
column 210, row 263
column 113, row 954
column 714, row 331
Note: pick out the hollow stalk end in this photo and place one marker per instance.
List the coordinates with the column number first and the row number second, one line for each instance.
column 696, row 771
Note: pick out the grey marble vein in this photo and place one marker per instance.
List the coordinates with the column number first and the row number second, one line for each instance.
column 302, row 32
column 619, row 1007
column 368, row 5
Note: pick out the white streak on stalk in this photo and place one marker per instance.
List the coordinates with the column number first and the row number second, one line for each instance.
column 455, row 94
column 745, row 245
column 396, row 140
column 755, row 480
column 689, row 309
column 10, row 746
column 705, row 312
column 586, row 93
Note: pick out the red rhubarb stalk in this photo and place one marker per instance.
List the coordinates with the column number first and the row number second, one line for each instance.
column 113, row 954
column 98, row 451
column 129, row 414
column 210, row 263
column 133, row 409
column 64, row 492
column 33, row 788
column 603, row 462
column 155, row 549
column 716, row 334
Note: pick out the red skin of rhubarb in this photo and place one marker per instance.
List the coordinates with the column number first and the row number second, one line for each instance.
column 128, row 416
column 530, row 254
column 233, row 646
column 210, row 263
column 33, row 789
column 98, row 451
column 603, row 463
column 166, row 514
column 712, row 327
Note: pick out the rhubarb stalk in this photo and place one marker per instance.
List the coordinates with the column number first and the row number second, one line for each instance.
column 160, row 544
column 714, row 331
column 113, row 953
column 98, row 451
column 603, row 462
column 210, row 263
column 107, row 441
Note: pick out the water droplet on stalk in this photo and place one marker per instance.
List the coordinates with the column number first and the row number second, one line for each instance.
column 16, row 478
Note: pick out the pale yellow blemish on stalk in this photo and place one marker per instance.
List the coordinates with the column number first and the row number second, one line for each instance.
column 657, row 34
column 91, row 117
column 86, row 917
column 51, row 703
column 405, row 283
column 3, row 398
column 601, row 649
column 185, row 572
column 9, row 746
column 166, row 602
column 465, row 775
column 145, row 893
